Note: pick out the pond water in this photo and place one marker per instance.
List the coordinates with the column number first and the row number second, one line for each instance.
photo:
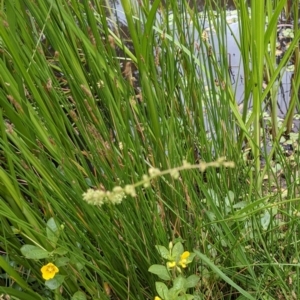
column 117, row 7
column 234, row 58
column 236, row 71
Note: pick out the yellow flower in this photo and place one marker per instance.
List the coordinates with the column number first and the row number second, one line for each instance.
column 157, row 298
column 49, row 271
column 184, row 259
column 171, row 264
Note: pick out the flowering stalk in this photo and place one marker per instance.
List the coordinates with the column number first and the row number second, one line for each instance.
column 100, row 197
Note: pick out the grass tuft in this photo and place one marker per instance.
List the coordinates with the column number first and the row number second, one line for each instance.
column 142, row 120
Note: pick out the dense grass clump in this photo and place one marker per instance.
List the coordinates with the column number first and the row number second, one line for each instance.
column 128, row 169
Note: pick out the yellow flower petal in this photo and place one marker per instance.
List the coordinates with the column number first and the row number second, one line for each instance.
column 182, row 263
column 157, row 298
column 171, row 264
column 184, row 259
column 185, row 255
column 49, row 271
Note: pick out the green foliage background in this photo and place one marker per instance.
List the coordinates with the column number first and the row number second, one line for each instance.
column 73, row 118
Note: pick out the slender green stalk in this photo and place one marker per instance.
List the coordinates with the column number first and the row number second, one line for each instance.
column 295, row 80
column 257, row 63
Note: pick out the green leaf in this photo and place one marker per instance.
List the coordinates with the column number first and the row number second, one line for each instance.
column 177, row 250
column 79, row 296
column 186, row 297
column 60, row 251
column 160, row 271
column 55, row 282
column 191, row 257
column 173, row 293
column 34, row 252
column 192, row 281
column 163, row 251
column 229, row 198
column 62, row 261
column 52, row 231
column 178, row 239
column 88, row 182
column 214, row 197
column 265, row 220
column 162, row 290
column 240, row 204
column 179, row 284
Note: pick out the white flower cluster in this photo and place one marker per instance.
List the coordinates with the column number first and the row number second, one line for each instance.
column 118, row 193
column 98, row 197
